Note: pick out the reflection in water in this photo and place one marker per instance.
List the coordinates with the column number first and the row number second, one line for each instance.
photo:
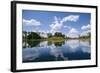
column 86, row 46
column 43, row 44
column 85, row 43
column 30, row 54
column 59, row 43
column 40, row 51
column 73, row 44
column 57, row 52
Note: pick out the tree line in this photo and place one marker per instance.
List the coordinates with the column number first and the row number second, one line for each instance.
column 36, row 35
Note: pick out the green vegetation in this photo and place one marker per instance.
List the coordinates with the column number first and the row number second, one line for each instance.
column 85, row 37
column 49, row 35
column 57, row 37
column 33, row 35
column 59, row 34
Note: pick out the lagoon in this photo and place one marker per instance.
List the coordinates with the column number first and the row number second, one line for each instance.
column 66, row 50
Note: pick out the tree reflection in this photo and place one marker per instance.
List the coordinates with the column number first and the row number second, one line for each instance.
column 58, row 44
column 56, row 50
column 31, row 44
column 39, row 43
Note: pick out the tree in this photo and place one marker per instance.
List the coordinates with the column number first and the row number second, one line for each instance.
column 59, row 34
column 33, row 35
column 89, row 34
column 86, row 36
column 49, row 35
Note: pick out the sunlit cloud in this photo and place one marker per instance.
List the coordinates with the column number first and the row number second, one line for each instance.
column 73, row 30
column 73, row 33
column 86, row 30
column 59, row 23
column 31, row 22
column 85, row 33
column 31, row 25
column 85, row 27
column 56, row 25
column 73, row 18
column 67, row 27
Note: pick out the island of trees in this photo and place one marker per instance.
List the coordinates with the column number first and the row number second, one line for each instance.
column 34, row 38
column 57, row 36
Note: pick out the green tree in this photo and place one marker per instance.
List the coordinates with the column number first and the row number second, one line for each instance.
column 49, row 35
column 33, row 35
column 59, row 34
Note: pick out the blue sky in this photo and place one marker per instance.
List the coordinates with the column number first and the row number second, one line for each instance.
column 51, row 21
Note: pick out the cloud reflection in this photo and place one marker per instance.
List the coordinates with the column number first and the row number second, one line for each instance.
column 30, row 54
column 73, row 45
column 57, row 52
column 85, row 46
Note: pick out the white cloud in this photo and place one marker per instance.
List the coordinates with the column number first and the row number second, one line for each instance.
column 85, row 33
column 73, row 33
column 73, row 18
column 31, row 25
column 43, row 31
column 86, row 27
column 68, row 27
column 43, row 35
column 57, row 24
column 31, row 22
column 73, row 30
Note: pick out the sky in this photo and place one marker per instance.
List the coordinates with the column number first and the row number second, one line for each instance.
column 71, row 24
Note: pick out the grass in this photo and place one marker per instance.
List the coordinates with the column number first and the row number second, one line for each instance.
column 56, row 39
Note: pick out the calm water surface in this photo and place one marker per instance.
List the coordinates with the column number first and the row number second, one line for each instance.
column 42, row 51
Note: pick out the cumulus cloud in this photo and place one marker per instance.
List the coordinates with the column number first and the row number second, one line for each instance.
column 58, row 23
column 31, row 22
column 31, row 25
column 73, row 33
column 68, row 27
column 73, row 18
column 73, row 30
column 86, row 30
column 85, row 27
column 85, row 33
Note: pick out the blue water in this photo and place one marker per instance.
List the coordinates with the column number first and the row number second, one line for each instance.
column 44, row 51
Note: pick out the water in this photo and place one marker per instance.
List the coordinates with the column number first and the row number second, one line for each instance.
column 43, row 51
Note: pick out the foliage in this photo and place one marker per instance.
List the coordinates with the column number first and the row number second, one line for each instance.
column 85, row 37
column 50, row 35
column 56, row 36
column 33, row 35
column 59, row 34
